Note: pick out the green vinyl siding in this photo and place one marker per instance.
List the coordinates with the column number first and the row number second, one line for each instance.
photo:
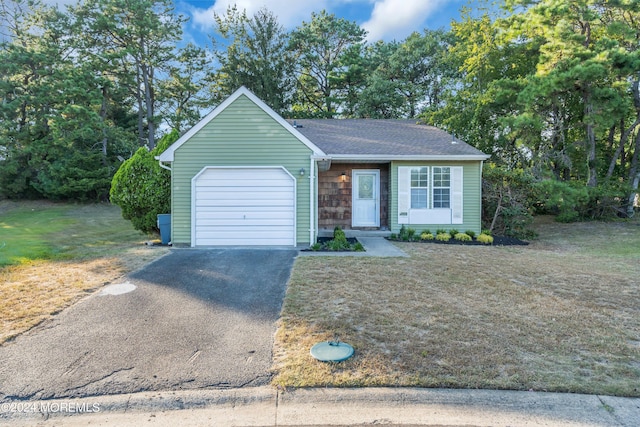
column 240, row 135
column 472, row 196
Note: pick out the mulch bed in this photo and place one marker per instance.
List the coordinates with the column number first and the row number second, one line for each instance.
column 497, row 241
column 352, row 241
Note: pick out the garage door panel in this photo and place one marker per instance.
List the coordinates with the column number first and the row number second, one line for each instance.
column 244, row 206
column 266, row 220
column 231, row 183
column 247, row 233
column 249, row 204
column 245, row 222
column 232, row 210
column 246, row 238
column 234, row 241
column 266, row 196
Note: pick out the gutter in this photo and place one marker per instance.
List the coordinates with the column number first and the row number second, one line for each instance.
column 387, row 158
column 163, row 166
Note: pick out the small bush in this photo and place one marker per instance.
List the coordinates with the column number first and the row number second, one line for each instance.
column 471, row 233
column 443, row 237
column 453, row 232
column 338, row 234
column 403, row 232
column 337, row 245
column 316, row 246
column 462, row 237
column 426, row 236
column 393, row 236
column 411, row 233
column 485, row 238
column 441, row 231
column 486, row 232
column 358, row 247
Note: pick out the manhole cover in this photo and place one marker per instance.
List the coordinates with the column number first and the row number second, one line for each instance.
column 118, row 289
column 332, row 351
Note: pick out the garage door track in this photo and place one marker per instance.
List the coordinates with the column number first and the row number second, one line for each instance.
column 196, row 319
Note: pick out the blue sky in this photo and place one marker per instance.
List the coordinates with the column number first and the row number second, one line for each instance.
column 383, row 19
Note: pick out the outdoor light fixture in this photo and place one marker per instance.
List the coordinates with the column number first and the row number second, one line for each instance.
column 343, row 177
column 301, row 171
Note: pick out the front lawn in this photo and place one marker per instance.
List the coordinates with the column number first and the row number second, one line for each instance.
column 562, row 314
column 53, row 254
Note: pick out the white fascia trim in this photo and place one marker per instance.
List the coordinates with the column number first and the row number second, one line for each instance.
column 168, row 154
column 408, row 157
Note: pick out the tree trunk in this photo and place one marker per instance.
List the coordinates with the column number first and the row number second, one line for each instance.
column 147, row 76
column 103, row 117
column 623, row 141
column 141, row 137
column 590, row 138
column 634, row 176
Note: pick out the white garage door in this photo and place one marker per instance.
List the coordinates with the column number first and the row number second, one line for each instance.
column 243, row 206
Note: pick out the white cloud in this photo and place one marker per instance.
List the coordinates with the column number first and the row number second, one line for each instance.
column 290, row 13
column 396, row 19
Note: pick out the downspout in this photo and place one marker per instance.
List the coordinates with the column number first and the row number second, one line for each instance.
column 164, row 166
column 312, row 195
column 481, row 188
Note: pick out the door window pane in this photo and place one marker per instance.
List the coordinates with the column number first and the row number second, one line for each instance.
column 365, row 186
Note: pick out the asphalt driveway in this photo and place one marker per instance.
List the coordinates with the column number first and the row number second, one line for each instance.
column 196, row 319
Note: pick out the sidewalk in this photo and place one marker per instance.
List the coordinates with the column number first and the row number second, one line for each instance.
column 266, row 406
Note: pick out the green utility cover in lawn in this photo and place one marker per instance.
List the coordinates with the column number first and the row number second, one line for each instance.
column 332, row 351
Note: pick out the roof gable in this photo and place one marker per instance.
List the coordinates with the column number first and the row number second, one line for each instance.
column 168, row 154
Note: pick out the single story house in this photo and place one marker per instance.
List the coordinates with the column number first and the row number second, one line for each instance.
column 246, row 176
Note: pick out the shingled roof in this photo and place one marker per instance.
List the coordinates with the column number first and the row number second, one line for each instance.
column 382, row 138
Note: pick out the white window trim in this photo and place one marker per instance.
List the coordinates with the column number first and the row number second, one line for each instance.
column 433, row 187
column 430, row 215
column 427, row 187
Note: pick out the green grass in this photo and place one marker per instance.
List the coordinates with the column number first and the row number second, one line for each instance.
column 31, row 231
column 25, row 233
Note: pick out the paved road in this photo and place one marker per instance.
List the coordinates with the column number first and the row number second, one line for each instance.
column 196, row 319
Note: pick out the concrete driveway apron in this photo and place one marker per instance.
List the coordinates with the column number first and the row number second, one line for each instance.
column 192, row 319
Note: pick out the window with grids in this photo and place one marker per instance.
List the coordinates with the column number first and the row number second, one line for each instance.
column 441, row 187
column 419, row 187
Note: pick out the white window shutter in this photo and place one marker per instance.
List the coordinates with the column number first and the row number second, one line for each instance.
column 404, row 176
column 456, row 195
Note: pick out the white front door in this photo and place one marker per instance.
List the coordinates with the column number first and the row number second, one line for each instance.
column 365, row 198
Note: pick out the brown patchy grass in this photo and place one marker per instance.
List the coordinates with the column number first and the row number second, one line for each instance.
column 98, row 247
column 562, row 314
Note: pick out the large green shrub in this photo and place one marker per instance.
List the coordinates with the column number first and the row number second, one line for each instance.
column 507, row 202
column 75, row 176
column 560, row 198
column 142, row 188
column 573, row 201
